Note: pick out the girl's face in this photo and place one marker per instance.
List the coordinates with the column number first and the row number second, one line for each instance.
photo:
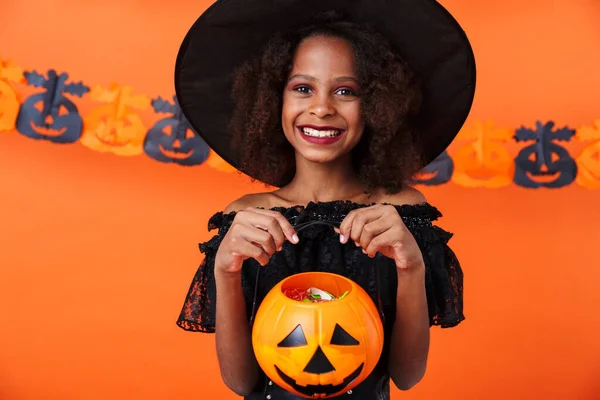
column 321, row 107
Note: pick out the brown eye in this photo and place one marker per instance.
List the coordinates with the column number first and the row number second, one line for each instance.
column 346, row 92
column 302, row 89
column 295, row 339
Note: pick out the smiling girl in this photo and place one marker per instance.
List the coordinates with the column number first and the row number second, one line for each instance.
column 326, row 110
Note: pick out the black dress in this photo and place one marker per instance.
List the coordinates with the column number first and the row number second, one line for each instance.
column 319, row 249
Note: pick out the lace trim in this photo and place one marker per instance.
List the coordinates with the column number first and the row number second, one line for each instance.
column 444, row 277
column 333, row 210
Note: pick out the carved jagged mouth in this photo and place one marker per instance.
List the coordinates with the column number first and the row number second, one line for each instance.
column 112, row 142
column 42, row 130
column 174, row 154
column 426, row 176
column 320, row 390
column 112, row 139
column 543, row 177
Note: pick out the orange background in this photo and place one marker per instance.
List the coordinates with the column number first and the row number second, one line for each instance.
column 97, row 251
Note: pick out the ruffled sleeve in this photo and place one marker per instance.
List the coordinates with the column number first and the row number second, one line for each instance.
column 198, row 311
column 444, row 276
column 443, row 273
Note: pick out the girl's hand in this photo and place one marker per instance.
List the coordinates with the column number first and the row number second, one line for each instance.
column 380, row 228
column 254, row 233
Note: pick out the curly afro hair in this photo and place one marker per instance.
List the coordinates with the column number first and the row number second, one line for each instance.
column 387, row 156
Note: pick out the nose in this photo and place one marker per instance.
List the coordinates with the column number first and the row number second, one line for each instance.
column 321, row 107
column 319, row 364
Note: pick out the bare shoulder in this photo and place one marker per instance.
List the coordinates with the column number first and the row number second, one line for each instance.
column 262, row 200
column 409, row 195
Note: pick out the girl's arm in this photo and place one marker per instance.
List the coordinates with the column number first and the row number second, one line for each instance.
column 257, row 234
column 239, row 368
column 380, row 229
column 409, row 343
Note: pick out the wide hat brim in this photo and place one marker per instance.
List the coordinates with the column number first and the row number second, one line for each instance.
column 423, row 33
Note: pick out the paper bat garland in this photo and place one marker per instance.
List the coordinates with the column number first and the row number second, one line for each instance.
column 118, row 126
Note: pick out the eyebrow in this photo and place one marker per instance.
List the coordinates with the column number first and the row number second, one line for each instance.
column 313, row 79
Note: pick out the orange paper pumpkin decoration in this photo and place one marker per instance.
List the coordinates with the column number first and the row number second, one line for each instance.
column 484, row 162
column 218, row 163
column 588, row 162
column 114, row 127
column 9, row 100
column 317, row 350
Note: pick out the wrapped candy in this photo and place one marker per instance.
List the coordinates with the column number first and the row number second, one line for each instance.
column 311, row 295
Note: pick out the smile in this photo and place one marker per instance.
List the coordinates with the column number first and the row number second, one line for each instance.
column 542, row 177
column 177, row 155
column 320, row 135
column 112, row 141
column 47, row 131
column 320, row 390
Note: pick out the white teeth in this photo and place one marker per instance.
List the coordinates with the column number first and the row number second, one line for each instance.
column 320, row 134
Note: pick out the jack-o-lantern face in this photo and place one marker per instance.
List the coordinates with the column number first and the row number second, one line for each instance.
column 9, row 100
column 484, row 162
column 172, row 140
column 50, row 115
column 437, row 172
column 114, row 127
column 319, row 363
column 317, row 350
column 588, row 161
column 544, row 163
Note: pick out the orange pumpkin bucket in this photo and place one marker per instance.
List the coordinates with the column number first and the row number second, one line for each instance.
column 317, row 349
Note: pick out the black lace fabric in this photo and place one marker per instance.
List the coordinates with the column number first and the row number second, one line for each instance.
column 319, row 249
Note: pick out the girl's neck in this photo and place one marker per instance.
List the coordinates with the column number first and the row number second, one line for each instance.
column 323, row 182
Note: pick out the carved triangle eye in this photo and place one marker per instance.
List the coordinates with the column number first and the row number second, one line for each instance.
column 295, row 339
column 342, row 338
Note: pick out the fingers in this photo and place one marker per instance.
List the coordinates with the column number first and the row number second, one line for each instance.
column 243, row 233
column 247, row 249
column 270, row 221
column 352, row 226
column 371, row 230
column 284, row 224
column 261, row 226
column 387, row 238
column 259, row 234
column 346, row 225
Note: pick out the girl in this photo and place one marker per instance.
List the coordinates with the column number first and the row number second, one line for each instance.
column 326, row 110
